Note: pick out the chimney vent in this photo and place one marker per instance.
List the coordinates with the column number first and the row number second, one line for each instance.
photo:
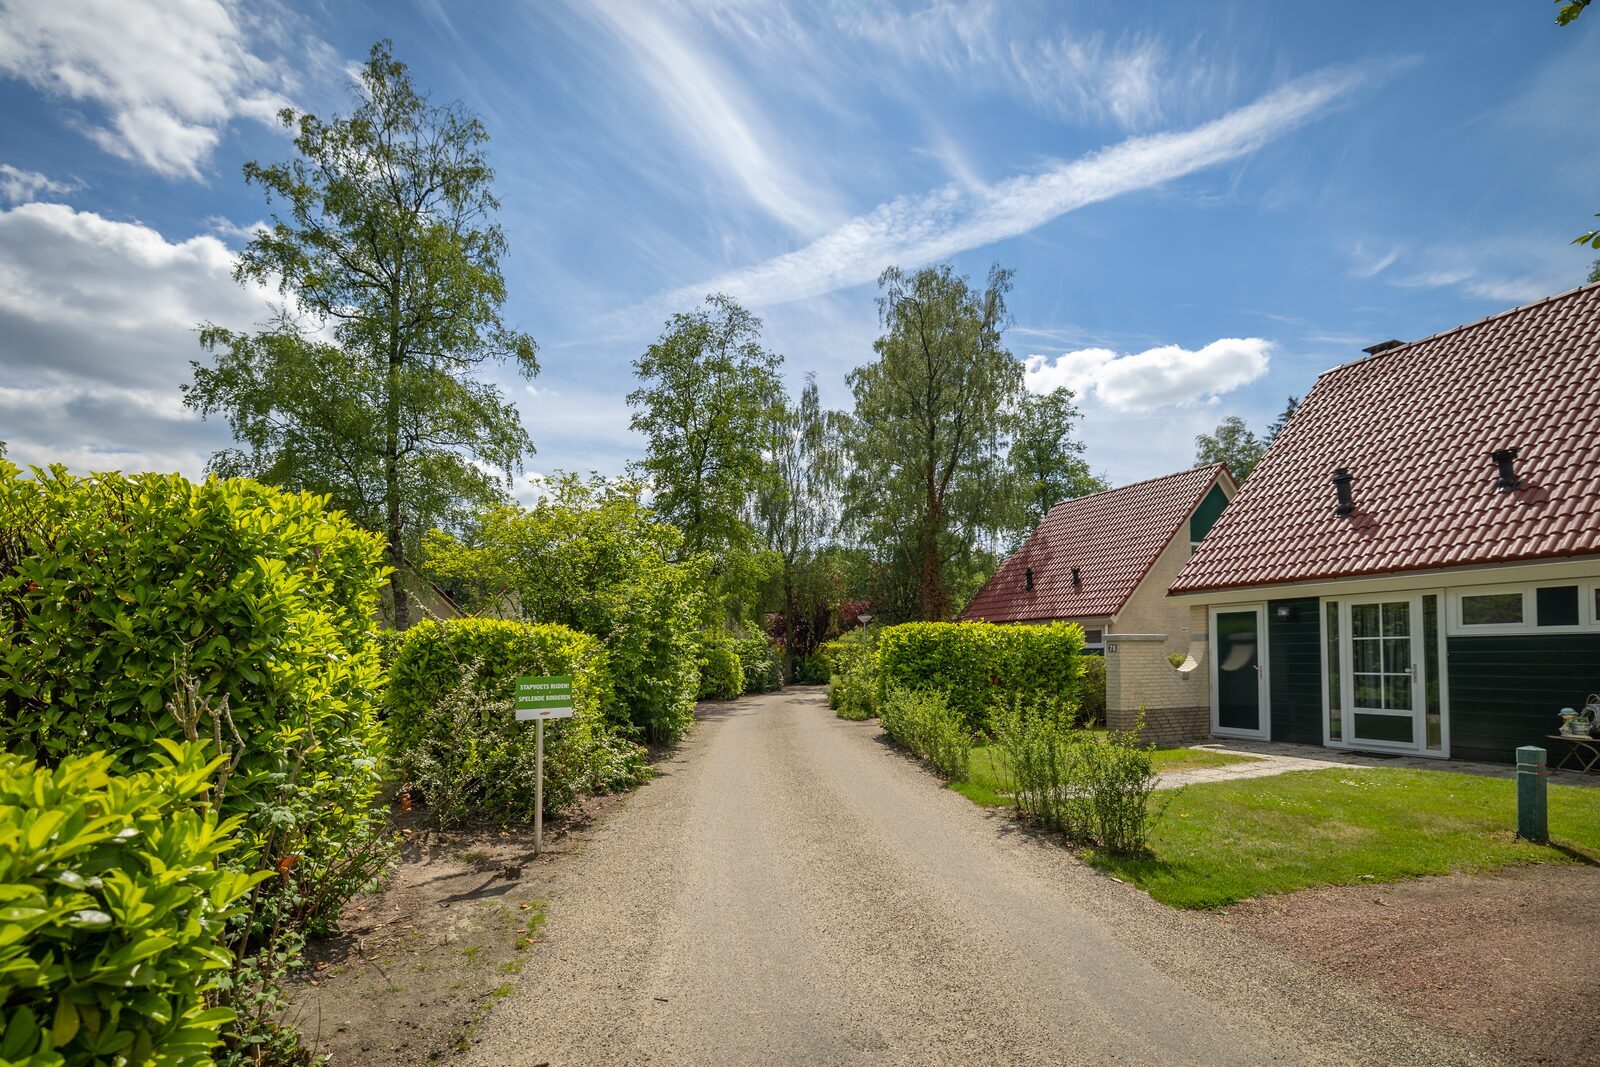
column 1383, row 346
column 1075, row 579
column 1506, row 459
column 1341, row 486
column 1028, row 577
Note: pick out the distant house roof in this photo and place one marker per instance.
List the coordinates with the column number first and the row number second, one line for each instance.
column 1415, row 425
column 1113, row 538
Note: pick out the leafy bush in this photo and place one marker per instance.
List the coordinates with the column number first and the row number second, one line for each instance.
column 113, row 907
column 121, row 594
column 811, row 670
column 593, row 557
column 721, row 673
column 1091, row 786
column 978, row 665
column 853, row 686
column 761, row 665
column 1092, row 690
column 924, row 723
column 453, row 730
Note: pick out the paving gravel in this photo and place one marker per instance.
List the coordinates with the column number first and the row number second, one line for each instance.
column 793, row 890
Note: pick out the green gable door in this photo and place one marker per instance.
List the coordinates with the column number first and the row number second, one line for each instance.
column 1238, row 672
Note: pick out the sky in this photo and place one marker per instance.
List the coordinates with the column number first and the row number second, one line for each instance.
column 1205, row 205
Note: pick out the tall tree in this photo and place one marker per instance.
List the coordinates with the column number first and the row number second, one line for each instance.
column 707, row 394
column 792, row 504
column 387, row 235
column 1046, row 458
column 926, row 441
column 1280, row 422
column 1233, row 443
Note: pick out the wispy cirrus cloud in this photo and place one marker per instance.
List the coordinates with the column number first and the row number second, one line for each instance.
column 18, row 186
column 912, row 230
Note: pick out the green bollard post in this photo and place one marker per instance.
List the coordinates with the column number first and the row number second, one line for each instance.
column 1533, row 817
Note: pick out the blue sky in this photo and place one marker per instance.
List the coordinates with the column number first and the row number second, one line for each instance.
column 1205, row 205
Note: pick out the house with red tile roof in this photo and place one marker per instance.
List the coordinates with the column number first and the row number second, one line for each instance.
column 1105, row 561
column 1415, row 564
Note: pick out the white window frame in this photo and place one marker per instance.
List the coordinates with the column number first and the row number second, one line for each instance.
column 1587, row 618
column 1346, row 668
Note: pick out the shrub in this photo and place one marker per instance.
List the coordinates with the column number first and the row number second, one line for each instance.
column 1092, row 690
column 761, row 664
column 453, row 731
column 119, row 592
column 924, row 723
column 113, row 907
column 1090, row 786
column 593, row 557
column 853, row 687
column 721, row 672
column 811, row 670
column 978, row 664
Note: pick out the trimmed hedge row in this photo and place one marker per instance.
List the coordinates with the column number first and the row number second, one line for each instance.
column 123, row 595
column 977, row 663
column 451, row 722
column 113, row 909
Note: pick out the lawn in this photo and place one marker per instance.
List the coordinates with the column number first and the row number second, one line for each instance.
column 986, row 777
column 1228, row 841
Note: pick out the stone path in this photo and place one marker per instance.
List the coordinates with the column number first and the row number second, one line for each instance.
column 1277, row 757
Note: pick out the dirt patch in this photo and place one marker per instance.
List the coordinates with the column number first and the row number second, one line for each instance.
column 1506, row 959
column 417, row 966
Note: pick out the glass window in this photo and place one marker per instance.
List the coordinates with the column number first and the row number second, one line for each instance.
column 1094, row 637
column 1491, row 609
column 1430, row 659
column 1335, row 711
column 1557, row 605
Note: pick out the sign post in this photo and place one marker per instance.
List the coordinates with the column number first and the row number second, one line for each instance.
column 541, row 697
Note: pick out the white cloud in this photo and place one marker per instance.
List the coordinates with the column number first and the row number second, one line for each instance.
column 713, row 110
column 1160, row 377
column 168, row 74
column 912, row 230
column 97, row 330
column 20, row 186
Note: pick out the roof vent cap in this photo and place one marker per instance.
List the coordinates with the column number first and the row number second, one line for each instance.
column 1341, row 486
column 1075, row 579
column 1383, row 346
column 1505, row 459
column 1027, row 577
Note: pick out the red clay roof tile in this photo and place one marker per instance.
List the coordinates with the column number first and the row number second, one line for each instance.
column 1415, row 426
column 1113, row 538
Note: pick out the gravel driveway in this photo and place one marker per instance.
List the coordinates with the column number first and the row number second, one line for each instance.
column 793, row 890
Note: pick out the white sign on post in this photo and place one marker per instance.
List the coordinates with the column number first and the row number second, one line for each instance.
column 541, row 697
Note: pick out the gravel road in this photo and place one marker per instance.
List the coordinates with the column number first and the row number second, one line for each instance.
column 793, row 890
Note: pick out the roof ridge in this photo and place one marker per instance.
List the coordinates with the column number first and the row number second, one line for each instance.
column 1134, row 485
column 1367, row 360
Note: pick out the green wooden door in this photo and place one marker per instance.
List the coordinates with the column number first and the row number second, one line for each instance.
column 1238, row 681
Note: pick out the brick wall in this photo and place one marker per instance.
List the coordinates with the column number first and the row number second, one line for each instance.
column 1177, row 706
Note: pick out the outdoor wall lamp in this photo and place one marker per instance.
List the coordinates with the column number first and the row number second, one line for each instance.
column 1286, row 613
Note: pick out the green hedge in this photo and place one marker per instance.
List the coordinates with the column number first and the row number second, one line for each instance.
column 761, row 664
column 721, row 672
column 114, row 589
column 977, row 664
column 112, row 910
column 1092, row 690
column 475, row 746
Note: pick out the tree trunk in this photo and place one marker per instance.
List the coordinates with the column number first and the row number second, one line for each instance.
column 391, row 477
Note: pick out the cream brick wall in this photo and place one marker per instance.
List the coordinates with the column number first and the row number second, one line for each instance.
column 1149, row 610
column 1177, row 706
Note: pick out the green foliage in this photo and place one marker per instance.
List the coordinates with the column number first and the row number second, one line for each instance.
column 1091, row 786
column 386, row 231
column 721, row 672
column 1233, row 443
column 811, row 670
column 705, row 401
column 1280, row 423
column 131, row 600
column 453, row 730
column 1092, row 690
column 760, row 664
column 1046, row 460
column 926, row 443
column 592, row 557
column 978, row 665
column 924, row 723
column 113, row 908
column 1569, row 10
column 853, row 681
